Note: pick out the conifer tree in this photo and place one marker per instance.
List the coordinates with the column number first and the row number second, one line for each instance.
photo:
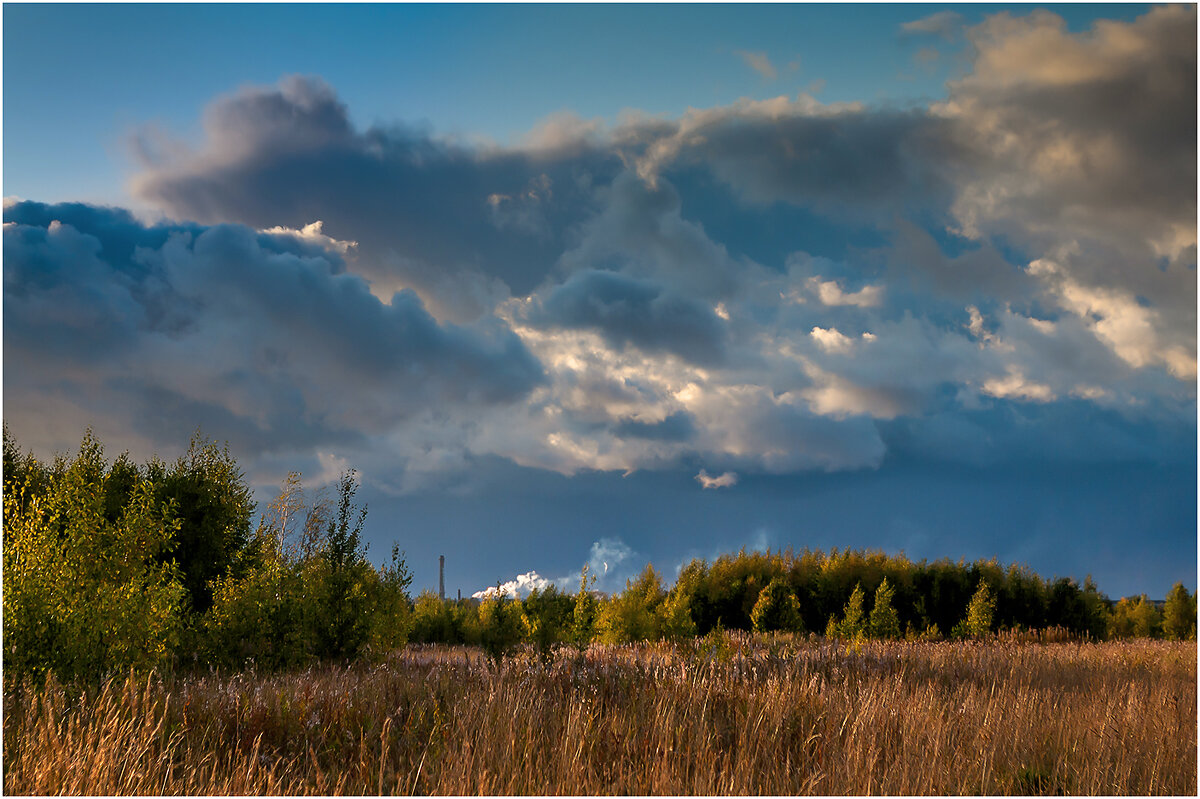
column 853, row 618
column 777, row 609
column 980, row 612
column 883, row 622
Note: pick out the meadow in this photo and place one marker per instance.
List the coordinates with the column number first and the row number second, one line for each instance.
column 726, row 713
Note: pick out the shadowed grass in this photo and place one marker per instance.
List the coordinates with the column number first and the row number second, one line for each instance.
column 749, row 716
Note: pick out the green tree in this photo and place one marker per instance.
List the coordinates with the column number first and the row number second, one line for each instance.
column 853, row 624
column 432, row 621
column 586, row 611
column 213, row 505
column 391, row 614
column 341, row 577
column 260, row 617
column 630, row 616
column 777, row 609
column 675, row 616
column 883, row 622
column 84, row 594
column 25, row 477
column 1179, row 614
column 1135, row 618
column 980, row 611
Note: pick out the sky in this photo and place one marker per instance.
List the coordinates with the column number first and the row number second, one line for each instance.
column 627, row 284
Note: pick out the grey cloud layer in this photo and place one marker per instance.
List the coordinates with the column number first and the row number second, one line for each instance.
column 1031, row 247
column 260, row 336
column 631, row 311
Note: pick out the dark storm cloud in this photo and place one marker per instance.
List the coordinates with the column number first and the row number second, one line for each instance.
column 627, row 311
column 427, row 212
column 262, row 335
column 844, row 159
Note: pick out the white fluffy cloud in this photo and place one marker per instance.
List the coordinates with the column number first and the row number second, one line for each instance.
column 723, row 480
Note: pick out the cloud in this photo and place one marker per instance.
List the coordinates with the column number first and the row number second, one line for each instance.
column 1080, row 136
column 678, row 426
column 1015, row 385
column 1117, row 319
column 725, row 480
column 766, row 286
column 833, row 340
column 926, row 57
column 840, row 158
column 830, row 293
column 946, row 24
column 261, row 337
column 627, row 311
column 610, row 562
column 759, row 63
column 460, row 225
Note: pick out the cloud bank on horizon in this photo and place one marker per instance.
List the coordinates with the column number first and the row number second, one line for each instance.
column 771, row 286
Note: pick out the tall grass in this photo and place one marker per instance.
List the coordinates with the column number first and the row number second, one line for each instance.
column 725, row 715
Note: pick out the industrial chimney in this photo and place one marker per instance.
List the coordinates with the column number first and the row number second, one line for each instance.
column 442, row 577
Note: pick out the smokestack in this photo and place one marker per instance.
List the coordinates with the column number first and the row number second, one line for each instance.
column 442, row 577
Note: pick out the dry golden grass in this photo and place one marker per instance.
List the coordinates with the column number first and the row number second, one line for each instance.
column 745, row 717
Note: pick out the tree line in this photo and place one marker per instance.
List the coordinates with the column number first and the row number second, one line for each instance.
column 110, row 565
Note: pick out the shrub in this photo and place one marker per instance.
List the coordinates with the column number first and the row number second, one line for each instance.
column 1135, row 618
column 502, row 624
column 631, row 615
column 259, row 617
column 390, row 605
column 432, row 621
column 550, row 613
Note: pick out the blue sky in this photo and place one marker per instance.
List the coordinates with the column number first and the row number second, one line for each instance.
column 614, row 283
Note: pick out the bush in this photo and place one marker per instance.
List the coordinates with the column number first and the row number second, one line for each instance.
column 259, row 617
column 390, row 605
column 550, row 613
column 1135, row 618
column 502, row 624
column 432, row 621
column 631, row 615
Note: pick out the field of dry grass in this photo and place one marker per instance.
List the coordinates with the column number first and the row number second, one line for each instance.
column 727, row 716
